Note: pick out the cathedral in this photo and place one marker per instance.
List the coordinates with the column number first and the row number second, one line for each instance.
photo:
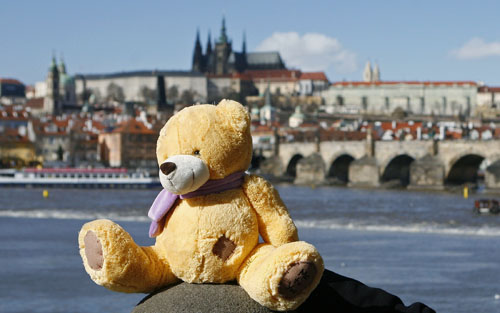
column 221, row 59
column 59, row 89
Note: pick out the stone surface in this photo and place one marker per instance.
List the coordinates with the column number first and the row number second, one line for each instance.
column 427, row 173
column 364, row 172
column 334, row 294
column 272, row 166
column 310, row 170
column 492, row 176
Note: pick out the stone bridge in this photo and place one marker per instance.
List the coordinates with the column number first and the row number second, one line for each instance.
column 416, row 164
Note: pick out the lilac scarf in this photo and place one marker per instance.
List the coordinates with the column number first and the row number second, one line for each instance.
column 165, row 199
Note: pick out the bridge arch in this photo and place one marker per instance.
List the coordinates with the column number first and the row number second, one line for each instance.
column 464, row 168
column 398, row 169
column 339, row 168
column 291, row 168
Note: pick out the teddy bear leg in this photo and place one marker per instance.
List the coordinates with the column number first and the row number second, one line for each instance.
column 281, row 278
column 115, row 261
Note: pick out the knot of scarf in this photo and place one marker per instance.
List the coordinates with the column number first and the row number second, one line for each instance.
column 165, row 199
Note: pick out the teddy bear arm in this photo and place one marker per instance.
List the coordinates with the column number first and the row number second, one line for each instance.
column 115, row 261
column 275, row 224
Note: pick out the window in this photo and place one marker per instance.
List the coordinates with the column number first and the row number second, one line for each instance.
column 340, row 100
column 364, row 103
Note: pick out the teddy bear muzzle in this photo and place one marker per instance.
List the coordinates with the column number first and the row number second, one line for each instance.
column 181, row 174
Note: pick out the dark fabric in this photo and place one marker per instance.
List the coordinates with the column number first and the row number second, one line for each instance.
column 336, row 293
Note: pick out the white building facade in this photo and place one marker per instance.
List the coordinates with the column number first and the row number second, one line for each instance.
column 132, row 83
column 446, row 98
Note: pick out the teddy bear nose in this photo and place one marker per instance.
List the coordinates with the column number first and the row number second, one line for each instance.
column 167, row 168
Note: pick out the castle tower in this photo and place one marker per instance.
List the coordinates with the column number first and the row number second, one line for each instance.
column 197, row 55
column 367, row 73
column 222, row 50
column 376, row 74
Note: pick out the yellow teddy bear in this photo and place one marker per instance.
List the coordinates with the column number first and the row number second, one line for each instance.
column 207, row 219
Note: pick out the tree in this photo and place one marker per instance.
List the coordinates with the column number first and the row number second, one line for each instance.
column 173, row 94
column 187, row 97
column 115, row 93
column 147, row 94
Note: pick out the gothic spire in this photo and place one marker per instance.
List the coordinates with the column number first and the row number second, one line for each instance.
column 209, row 44
column 197, row 54
column 244, row 46
column 223, row 35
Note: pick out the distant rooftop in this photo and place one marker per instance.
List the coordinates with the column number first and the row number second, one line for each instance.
column 263, row 58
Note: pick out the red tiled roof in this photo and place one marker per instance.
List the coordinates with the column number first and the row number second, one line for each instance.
column 425, row 83
column 488, row 89
column 35, row 103
column 314, row 76
column 288, row 75
column 10, row 81
column 133, row 126
column 12, row 135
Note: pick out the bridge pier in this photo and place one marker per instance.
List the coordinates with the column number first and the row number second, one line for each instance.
column 364, row 172
column 492, row 177
column 427, row 173
column 310, row 170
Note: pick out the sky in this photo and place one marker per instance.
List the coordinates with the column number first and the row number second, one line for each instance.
column 409, row 40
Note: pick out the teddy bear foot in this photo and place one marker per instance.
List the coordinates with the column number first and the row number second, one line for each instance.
column 297, row 278
column 93, row 251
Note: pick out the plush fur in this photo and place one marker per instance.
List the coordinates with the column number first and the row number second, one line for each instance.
column 212, row 238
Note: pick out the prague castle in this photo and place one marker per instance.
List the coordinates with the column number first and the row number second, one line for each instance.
column 223, row 60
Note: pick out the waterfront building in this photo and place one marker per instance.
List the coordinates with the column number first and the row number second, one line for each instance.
column 130, row 144
column 16, row 137
column 12, row 91
column 53, row 142
column 16, row 149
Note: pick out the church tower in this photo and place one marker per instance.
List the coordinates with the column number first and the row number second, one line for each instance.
column 197, row 55
column 376, row 74
column 222, row 50
column 52, row 103
column 367, row 73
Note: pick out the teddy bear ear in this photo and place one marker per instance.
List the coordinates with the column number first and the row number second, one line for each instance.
column 235, row 113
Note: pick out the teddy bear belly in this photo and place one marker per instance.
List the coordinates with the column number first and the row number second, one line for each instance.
column 206, row 240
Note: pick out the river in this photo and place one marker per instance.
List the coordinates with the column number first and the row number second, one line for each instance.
column 427, row 247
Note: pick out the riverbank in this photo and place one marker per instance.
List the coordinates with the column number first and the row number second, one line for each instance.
column 41, row 270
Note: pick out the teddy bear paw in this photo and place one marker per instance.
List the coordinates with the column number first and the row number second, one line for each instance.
column 93, row 251
column 297, row 278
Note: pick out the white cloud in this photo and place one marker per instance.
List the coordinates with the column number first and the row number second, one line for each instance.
column 477, row 48
column 311, row 52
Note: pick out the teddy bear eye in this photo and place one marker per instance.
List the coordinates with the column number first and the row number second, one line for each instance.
column 196, row 152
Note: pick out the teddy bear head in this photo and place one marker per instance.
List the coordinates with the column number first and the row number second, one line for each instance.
column 203, row 142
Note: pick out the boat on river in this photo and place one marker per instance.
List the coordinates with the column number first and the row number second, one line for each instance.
column 78, row 178
column 486, row 206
